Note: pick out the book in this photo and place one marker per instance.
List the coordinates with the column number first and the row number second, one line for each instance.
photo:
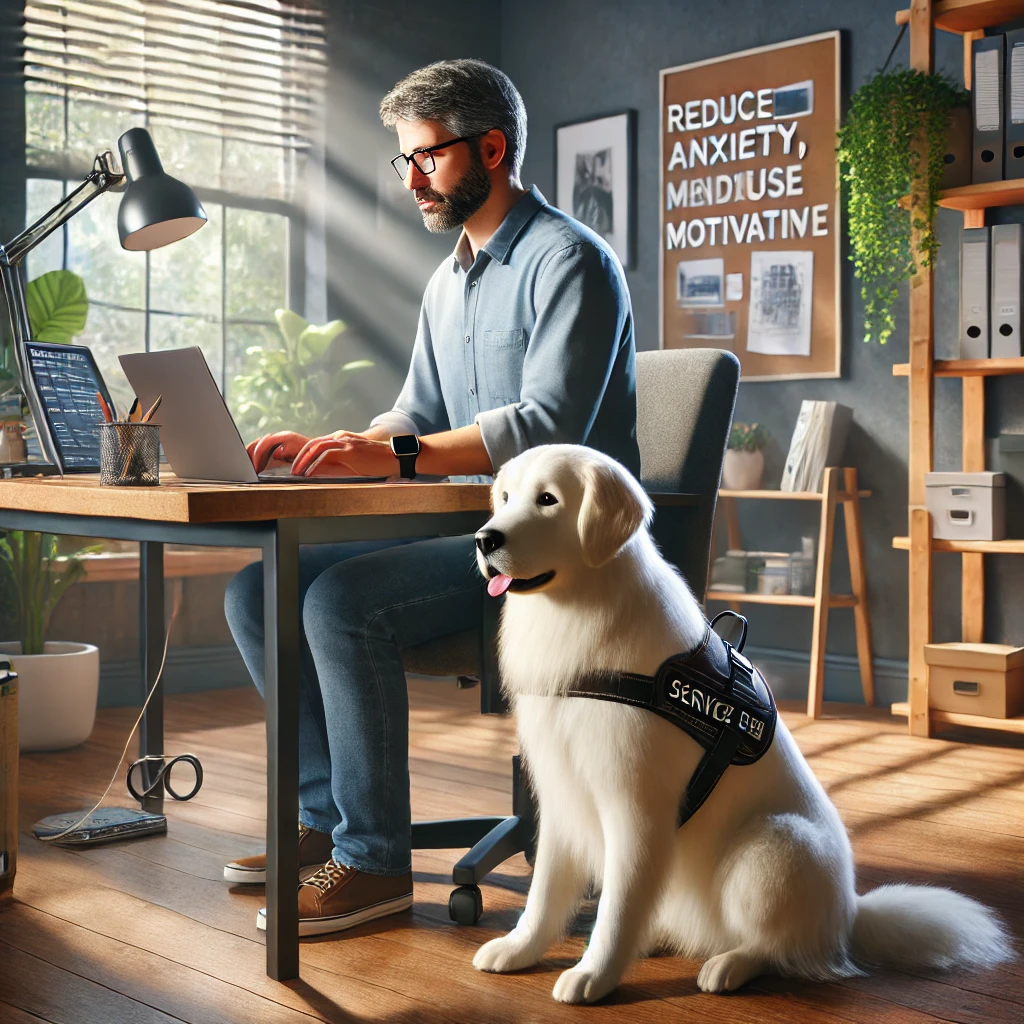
column 819, row 440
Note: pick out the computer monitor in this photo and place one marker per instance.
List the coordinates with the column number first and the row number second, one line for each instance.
column 66, row 379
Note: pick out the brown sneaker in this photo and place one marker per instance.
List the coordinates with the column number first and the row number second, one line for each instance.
column 339, row 897
column 314, row 848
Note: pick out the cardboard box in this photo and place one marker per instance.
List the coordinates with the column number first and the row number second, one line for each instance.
column 967, row 506
column 976, row 679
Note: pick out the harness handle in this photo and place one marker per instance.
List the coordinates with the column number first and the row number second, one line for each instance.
column 743, row 627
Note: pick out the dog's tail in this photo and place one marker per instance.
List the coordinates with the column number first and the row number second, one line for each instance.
column 923, row 926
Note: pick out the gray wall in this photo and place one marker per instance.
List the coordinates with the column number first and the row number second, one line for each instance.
column 379, row 255
column 573, row 59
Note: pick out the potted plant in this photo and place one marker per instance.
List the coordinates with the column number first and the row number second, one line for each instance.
column 743, row 468
column 58, row 681
column 892, row 119
column 296, row 385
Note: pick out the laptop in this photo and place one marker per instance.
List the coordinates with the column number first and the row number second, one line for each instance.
column 198, row 435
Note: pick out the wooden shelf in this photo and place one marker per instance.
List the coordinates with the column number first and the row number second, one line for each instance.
column 982, row 547
column 960, row 16
column 984, row 196
column 968, row 368
column 839, row 489
column 788, row 495
column 959, row 718
column 796, row 600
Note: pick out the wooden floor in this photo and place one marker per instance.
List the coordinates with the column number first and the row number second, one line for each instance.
column 148, row 931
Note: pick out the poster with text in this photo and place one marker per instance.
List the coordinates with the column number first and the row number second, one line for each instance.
column 750, row 214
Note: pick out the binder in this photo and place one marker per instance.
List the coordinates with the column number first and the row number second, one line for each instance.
column 1006, row 291
column 987, row 103
column 974, row 293
column 1014, row 105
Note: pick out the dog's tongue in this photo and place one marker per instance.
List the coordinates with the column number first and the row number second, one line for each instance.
column 497, row 585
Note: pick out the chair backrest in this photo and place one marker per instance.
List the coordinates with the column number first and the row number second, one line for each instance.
column 685, row 400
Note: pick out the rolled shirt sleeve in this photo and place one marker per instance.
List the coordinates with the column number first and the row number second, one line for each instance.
column 583, row 320
column 419, row 408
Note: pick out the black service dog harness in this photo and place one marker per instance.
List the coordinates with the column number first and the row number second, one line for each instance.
column 713, row 693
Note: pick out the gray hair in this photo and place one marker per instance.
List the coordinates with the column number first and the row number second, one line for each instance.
column 468, row 97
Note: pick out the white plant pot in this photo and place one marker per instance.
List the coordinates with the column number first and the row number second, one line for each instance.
column 57, row 693
column 742, row 471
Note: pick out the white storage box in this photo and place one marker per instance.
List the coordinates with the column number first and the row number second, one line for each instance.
column 967, row 506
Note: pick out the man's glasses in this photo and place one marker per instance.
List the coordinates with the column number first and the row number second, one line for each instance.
column 423, row 159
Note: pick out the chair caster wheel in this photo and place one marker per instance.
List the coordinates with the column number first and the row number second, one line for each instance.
column 465, row 905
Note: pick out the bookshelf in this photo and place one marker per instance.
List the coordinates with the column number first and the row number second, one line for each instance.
column 839, row 488
column 967, row 368
column 969, row 18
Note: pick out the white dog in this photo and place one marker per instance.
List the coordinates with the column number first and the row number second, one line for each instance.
column 761, row 879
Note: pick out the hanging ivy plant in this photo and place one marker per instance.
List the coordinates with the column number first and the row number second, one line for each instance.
column 879, row 162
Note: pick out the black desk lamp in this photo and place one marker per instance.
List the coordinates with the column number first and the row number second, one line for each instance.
column 155, row 211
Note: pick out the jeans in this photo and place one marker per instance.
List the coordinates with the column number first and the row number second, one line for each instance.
column 362, row 602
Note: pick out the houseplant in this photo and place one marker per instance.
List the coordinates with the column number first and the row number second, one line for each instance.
column 880, row 160
column 743, row 468
column 299, row 384
column 58, row 681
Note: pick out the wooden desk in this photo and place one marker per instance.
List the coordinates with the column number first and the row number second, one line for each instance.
column 275, row 518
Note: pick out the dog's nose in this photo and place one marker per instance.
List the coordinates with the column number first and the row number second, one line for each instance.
column 489, row 540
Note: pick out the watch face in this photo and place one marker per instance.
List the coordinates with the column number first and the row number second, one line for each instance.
column 405, row 444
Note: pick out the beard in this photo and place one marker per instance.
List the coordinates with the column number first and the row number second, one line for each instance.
column 453, row 209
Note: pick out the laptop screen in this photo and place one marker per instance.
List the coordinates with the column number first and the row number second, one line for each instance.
column 66, row 379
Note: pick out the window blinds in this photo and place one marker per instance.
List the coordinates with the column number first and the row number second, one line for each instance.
column 249, row 73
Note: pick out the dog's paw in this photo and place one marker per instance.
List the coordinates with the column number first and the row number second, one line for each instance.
column 509, row 953
column 728, row 971
column 582, row 985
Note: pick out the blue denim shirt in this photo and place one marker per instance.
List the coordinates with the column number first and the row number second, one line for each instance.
column 532, row 340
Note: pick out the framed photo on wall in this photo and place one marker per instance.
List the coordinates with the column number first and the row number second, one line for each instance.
column 595, row 178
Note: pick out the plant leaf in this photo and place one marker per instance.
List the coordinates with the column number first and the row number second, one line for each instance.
column 314, row 341
column 57, row 306
column 292, row 325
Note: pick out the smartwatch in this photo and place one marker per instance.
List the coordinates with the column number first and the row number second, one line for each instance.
column 405, row 448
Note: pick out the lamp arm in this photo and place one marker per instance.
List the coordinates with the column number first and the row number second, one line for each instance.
column 101, row 178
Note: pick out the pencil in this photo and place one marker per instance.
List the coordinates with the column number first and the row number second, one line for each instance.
column 104, row 408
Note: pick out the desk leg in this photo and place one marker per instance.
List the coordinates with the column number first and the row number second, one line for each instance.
column 151, row 649
column 281, row 621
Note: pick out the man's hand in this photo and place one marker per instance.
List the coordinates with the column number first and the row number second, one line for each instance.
column 275, row 449
column 345, row 454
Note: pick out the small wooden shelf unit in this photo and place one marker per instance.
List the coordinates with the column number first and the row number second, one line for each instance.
column 969, row 18
column 830, row 498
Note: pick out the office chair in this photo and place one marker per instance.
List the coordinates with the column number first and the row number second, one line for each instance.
column 685, row 400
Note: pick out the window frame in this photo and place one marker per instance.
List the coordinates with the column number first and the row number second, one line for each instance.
column 295, row 234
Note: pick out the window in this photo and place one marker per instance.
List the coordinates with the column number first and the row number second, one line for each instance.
column 229, row 98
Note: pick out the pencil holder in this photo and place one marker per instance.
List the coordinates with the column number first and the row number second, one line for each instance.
column 130, row 454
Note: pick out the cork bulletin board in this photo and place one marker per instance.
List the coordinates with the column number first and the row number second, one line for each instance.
column 750, row 213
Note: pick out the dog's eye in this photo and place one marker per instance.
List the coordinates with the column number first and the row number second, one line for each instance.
column 546, row 498
column 504, row 497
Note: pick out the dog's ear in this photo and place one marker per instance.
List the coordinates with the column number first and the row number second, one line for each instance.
column 614, row 507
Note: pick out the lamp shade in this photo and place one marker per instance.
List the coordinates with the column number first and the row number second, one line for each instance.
column 156, row 209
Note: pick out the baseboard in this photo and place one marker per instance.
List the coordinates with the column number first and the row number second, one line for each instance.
column 787, row 673
column 188, row 670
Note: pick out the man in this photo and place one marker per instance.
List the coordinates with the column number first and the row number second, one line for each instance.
column 525, row 337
